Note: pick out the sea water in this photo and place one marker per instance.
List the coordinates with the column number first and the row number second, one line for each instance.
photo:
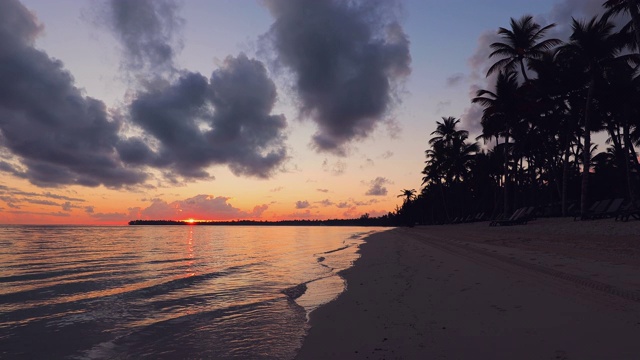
column 166, row 291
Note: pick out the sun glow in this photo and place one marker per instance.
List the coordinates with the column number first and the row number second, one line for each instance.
column 190, row 221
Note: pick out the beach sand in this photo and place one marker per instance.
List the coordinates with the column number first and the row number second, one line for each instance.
column 551, row 289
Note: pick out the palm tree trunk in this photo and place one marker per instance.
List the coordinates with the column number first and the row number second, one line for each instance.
column 565, row 173
column 506, row 177
column 628, row 153
column 444, row 201
column 524, row 73
column 586, row 151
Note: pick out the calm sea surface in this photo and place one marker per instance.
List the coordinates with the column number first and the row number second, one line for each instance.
column 166, row 291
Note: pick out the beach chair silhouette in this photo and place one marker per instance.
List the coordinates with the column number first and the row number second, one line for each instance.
column 604, row 209
column 518, row 217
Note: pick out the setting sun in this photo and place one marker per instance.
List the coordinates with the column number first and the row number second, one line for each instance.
column 191, row 221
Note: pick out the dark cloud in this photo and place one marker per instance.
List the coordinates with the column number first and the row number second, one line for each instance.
column 347, row 57
column 147, row 30
column 196, row 123
column 377, row 187
column 302, row 204
column 58, row 135
column 6, row 190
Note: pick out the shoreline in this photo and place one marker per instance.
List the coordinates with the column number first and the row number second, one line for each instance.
column 553, row 289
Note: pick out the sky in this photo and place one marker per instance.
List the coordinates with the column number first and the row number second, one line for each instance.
column 115, row 110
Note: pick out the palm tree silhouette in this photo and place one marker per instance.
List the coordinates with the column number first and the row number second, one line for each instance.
column 632, row 7
column 500, row 111
column 521, row 43
column 408, row 194
column 593, row 47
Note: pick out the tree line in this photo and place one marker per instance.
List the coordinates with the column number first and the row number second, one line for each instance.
column 548, row 97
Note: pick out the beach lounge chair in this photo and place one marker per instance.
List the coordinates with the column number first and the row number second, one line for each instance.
column 480, row 216
column 516, row 218
column 606, row 208
column 612, row 210
column 598, row 207
column 631, row 210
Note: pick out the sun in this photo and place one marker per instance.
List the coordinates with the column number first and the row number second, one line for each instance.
column 191, row 221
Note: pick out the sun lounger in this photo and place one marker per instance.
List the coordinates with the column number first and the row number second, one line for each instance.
column 518, row 217
column 631, row 210
column 605, row 209
column 599, row 207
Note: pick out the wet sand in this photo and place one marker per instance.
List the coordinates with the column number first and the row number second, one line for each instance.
column 551, row 289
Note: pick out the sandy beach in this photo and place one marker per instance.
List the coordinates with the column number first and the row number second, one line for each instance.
column 551, row 289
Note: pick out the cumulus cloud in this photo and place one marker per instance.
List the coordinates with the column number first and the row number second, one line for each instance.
column 57, row 135
column 190, row 122
column 197, row 122
column 147, row 30
column 203, row 207
column 377, row 187
column 347, row 58
column 302, row 204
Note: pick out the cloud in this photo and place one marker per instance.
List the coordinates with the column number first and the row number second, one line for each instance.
column 203, row 207
column 195, row 123
column 377, row 187
column 336, row 168
column 57, row 135
column 325, row 202
column 302, row 204
column 148, row 31
column 277, row 189
column 347, row 59
column 323, row 190
column 343, row 205
column 301, row 215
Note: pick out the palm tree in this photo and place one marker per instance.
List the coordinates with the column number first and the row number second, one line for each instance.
column 446, row 132
column 593, row 47
column 520, row 43
column 632, row 7
column 408, row 194
column 500, row 111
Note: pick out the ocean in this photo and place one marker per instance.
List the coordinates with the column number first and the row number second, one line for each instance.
column 166, row 292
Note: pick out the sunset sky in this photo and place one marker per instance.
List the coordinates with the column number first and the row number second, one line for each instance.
column 114, row 110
